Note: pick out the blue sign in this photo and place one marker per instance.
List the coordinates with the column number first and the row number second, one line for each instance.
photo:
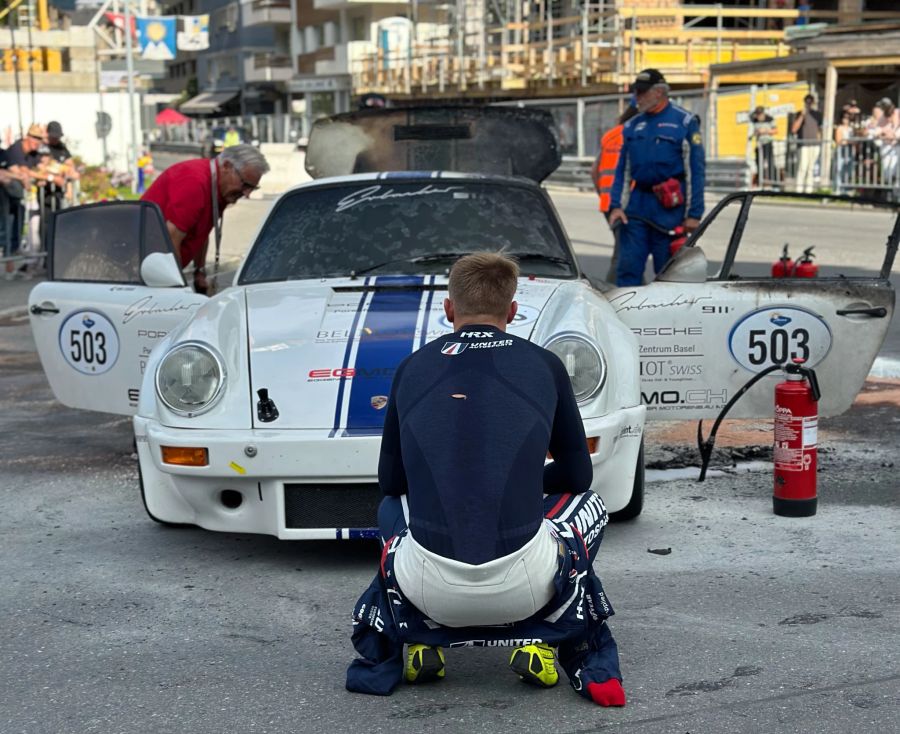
column 156, row 37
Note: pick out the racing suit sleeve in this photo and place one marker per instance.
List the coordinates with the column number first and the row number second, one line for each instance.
column 391, row 472
column 697, row 163
column 571, row 469
column 615, row 195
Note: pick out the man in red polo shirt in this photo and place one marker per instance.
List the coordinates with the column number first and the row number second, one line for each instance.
column 184, row 193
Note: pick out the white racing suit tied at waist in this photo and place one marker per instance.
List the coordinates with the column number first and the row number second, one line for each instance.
column 457, row 594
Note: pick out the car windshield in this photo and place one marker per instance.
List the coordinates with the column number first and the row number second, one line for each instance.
column 406, row 227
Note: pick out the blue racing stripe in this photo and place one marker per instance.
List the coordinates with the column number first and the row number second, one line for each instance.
column 388, row 336
column 424, row 336
column 364, row 533
column 350, row 340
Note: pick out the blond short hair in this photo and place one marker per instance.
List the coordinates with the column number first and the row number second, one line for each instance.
column 483, row 283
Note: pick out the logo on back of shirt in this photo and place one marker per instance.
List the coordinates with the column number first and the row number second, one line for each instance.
column 453, row 348
column 477, row 334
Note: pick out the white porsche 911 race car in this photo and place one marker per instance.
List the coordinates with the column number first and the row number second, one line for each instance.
column 260, row 409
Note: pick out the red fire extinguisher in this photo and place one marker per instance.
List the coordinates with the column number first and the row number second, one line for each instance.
column 783, row 267
column 796, row 427
column 680, row 237
column 805, row 267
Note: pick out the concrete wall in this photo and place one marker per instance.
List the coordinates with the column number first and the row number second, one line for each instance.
column 77, row 113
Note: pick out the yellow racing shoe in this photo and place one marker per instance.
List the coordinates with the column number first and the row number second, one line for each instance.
column 535, row 664
column 424, row 663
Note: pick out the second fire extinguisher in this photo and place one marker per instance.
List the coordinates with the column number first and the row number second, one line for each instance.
column 783, row 267
column 796, row 441
column 805, row 267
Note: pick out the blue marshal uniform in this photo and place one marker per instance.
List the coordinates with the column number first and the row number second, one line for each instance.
column 656, row 147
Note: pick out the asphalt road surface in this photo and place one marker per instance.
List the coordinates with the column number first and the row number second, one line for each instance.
column 753, row 623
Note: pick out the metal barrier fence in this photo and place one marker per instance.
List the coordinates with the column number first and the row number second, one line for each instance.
column 283, row 128
column 864, row 165
column 857, row 166
column 27, row 224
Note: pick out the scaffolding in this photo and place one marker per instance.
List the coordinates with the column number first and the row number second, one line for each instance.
column 506, row 48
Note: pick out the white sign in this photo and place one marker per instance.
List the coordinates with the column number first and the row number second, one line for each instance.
column 319, row 83
column 777, row 335
column 89, row 342
column 194, row 35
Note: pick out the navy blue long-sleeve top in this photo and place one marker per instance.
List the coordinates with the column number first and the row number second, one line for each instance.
column 470, row 420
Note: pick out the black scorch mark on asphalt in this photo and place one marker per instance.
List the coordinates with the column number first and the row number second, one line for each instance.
column 805, row 619
column 816, row 618
column 710, row 686
column 420, row 712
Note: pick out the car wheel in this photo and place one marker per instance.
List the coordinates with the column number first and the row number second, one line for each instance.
column 636, row 503
column 147, row 509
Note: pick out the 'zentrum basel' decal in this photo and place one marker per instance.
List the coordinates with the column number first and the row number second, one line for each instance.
column 89, row 342
column 779, row 334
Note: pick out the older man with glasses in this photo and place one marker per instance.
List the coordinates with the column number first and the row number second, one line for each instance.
column 184, row 193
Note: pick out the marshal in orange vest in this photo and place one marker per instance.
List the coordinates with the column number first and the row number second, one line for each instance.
column 605, row 166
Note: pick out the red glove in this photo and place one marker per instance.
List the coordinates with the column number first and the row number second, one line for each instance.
column 608, row 693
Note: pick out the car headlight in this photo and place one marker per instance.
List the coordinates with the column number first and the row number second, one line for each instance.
column 584, row 364
column 190, row 379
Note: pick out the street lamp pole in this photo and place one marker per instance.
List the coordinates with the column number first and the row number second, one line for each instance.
column 129, row 70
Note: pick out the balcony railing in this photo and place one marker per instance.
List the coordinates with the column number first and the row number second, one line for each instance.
column 268, row 67
column 265, row 12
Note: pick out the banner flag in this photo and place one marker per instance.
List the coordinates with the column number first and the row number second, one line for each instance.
column 156, row 36
column 118, row 20
column 194, row 35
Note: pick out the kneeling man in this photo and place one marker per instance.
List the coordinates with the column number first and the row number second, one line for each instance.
column 472, row 516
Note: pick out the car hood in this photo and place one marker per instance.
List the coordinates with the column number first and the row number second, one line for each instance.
column 487, row 140
column 327, row 351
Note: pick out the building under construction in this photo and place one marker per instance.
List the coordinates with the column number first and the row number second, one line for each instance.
column 507, row 49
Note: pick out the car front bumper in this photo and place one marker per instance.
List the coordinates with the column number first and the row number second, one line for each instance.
column 303, row 485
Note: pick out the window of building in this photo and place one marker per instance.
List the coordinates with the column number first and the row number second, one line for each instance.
column 225, row 19
column 358, row 28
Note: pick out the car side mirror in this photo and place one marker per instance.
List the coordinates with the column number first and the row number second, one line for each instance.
column 159, row 270
column 688, row 265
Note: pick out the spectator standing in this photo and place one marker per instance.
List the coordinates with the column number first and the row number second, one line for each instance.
column 844, row 148
column 185, row 194
column 764, row 132
column 605, row 172
column 807, row 126
column 60, row 154
column 232, row 137
column 885, row 134
column 8, row 186
column 21, row 160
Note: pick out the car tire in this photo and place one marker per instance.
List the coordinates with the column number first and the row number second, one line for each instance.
column 147, row 509
column 636, row 503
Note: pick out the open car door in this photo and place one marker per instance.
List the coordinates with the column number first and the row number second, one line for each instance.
column 702, row 338
column 114, row 291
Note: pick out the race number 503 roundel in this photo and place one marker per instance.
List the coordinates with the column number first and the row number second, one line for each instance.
column 776, row 335
column 89, row 342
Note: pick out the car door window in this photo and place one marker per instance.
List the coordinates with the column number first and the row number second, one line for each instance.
column 106, row 242
column 746, row 234
column 843, row 240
